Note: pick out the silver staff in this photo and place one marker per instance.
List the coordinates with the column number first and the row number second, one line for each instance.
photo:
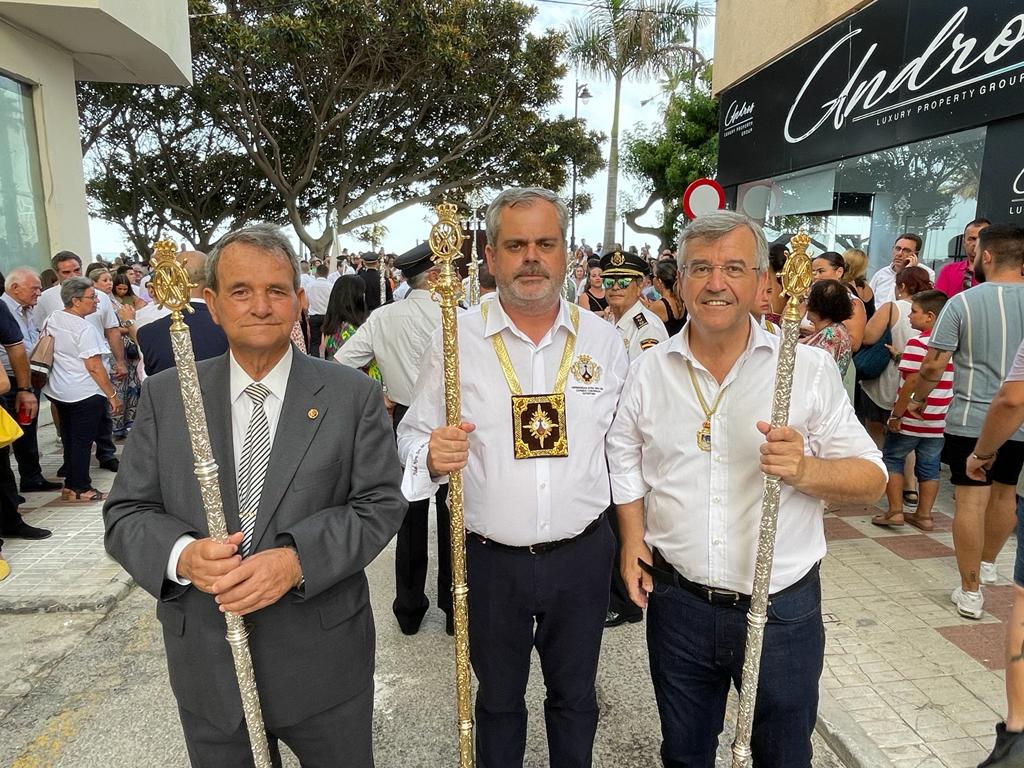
column 796, row 280
column 171, row 288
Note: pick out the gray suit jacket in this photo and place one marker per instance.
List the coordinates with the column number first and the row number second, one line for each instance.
column 332, row 491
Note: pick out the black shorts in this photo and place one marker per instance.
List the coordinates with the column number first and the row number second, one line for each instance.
column 1005, row 470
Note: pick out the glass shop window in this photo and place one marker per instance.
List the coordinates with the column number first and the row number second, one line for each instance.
column 23, row 232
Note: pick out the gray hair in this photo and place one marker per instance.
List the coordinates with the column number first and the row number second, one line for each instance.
column 714, row 226
column 266, row 237
column 74, row 288
column 421, row 279
column 513, row 196
column 17, row 276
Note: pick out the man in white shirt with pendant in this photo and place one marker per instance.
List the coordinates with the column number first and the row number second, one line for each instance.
column 538, row 548
column 692, row 438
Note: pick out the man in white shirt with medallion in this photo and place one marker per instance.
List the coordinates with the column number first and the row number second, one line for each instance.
column 692, row 438
column 538, row 548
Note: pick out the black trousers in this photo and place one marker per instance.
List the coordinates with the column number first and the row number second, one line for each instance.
column 340, row 736
column 79, row 424
column 554, row 602
column 26, row 447
column 316, row 324
column 105, row 448
column 411, row 558
column 618, row 599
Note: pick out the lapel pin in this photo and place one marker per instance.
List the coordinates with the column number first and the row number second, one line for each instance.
column 312, row 413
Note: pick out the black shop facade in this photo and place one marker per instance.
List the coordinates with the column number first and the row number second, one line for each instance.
column 907, row 115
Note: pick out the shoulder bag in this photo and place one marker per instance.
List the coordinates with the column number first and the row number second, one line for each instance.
column 871, row 360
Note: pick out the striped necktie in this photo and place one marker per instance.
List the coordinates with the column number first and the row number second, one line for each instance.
column 253, row 466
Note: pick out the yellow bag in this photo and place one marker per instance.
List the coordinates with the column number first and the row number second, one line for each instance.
column 10, row 430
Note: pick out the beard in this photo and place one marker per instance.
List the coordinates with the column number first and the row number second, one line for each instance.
column 979, row 270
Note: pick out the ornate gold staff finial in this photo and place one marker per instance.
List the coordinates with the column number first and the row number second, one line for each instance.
column 446, row 245
column 796, row 276
column 172, row 288
column 796, row 280
column 170, row 285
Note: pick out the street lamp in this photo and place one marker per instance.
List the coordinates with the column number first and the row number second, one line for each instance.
column 582, row 94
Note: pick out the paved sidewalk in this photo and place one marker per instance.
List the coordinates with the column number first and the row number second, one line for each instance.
column 907, row 682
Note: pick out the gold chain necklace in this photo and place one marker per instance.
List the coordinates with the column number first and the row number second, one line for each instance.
column 704, row 433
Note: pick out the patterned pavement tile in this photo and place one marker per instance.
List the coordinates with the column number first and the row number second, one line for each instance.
column 915, row 546
column 983, row 642
column 999, row 600
column 836, row 530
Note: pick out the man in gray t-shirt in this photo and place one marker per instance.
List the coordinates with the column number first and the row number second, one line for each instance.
column 1004, row 421
column 980, row 329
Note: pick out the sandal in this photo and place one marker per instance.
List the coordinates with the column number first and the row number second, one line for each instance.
column 910, row 498
column 888, row 519
column 87, row 496
column 921, row 523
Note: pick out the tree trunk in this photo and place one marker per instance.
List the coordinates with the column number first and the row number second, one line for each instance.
column 611, row 200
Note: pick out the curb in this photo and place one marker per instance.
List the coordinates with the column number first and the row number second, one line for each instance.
column 100, row 601
column 846, row 737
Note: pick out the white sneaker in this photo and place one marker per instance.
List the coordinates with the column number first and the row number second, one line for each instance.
column 968, row 604
column 989, row 575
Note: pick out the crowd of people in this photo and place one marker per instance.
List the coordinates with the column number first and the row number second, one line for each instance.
column 636, row 433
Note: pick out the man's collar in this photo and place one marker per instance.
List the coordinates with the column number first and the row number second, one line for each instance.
column 758, row 338
column 276, row 380
column 497, row 320
column 628, row 315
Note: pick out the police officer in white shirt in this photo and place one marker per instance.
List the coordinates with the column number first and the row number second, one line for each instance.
column 622, row 273
column 396, row 336
column 692, row 438
column 538, row 548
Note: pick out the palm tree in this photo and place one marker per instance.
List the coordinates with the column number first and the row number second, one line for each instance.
column 617, row 39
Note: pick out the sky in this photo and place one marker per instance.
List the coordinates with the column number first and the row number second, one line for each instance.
column 408, row 227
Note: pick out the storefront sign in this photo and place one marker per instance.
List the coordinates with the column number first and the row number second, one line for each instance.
column 896, row 72
column 1001, row 190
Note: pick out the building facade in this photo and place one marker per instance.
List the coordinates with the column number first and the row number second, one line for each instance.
column 45, row 46
column 863, row 121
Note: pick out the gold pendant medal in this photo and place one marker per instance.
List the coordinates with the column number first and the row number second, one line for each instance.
column 704, row 436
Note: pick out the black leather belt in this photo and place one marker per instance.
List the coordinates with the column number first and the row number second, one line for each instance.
column 663, row 573
column 544, row 546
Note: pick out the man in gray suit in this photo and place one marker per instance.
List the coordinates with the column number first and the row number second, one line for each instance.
column 307, row 518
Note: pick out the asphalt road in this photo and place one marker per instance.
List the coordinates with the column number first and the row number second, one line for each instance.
column 90, row 690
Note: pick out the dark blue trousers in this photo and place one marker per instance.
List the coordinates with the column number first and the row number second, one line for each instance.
column 555, row 602
column 79, row 423
column 696, row 652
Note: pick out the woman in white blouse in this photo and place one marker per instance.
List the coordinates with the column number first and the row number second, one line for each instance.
column 78, row 385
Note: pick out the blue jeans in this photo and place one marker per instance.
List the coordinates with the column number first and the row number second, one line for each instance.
column 696, row 651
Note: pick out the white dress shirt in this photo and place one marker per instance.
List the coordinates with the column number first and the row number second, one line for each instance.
column 520, row 501
column 883, row 283
column 396, row 335
column 241, row 411
column 319, row 294
column 640, row 330
column 704, row 508
column 29, row 332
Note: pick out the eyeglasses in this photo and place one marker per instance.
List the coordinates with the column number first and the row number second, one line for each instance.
column 908, row 251
column 91, row 296
column 621, row 282
column 700, row 270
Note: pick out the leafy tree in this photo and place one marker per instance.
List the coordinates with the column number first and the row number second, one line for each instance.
column 684, row 147
column 367, row 107
column 157, row 166
column 618, row 39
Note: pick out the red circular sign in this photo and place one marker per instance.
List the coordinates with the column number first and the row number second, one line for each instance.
column 703, row 196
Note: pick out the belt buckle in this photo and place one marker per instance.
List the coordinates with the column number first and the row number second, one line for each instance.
column 724, row 593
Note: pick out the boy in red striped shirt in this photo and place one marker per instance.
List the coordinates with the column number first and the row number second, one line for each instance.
column 907, row 432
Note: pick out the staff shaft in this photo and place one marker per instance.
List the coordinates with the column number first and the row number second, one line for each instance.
column 209, row 489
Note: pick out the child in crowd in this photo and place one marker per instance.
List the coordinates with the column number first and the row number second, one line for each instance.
column 905, row 433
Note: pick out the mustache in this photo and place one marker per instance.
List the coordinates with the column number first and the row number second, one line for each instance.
column 534, row 270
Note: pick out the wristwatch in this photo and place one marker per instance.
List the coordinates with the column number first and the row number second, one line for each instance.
column 127, row 323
